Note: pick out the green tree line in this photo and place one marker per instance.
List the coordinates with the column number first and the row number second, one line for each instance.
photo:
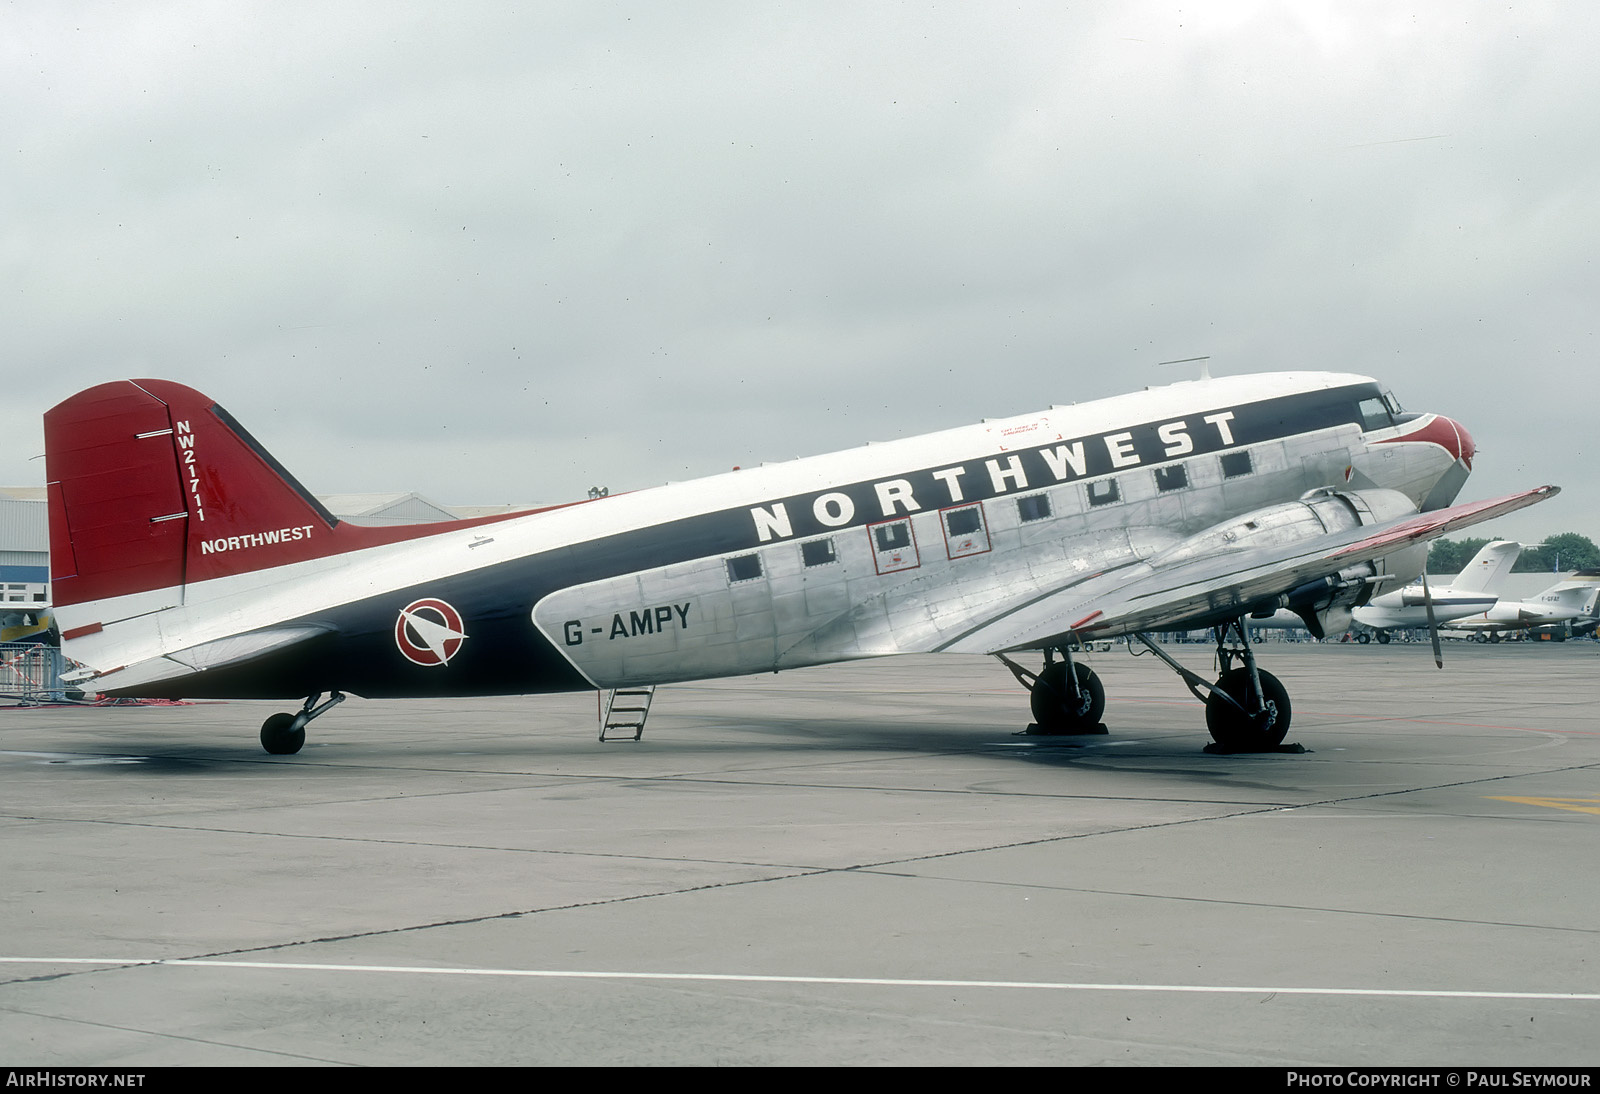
column 1560, row 553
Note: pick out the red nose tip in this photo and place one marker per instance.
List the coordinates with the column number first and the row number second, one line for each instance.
column 1447, row 433
column 1465, row 448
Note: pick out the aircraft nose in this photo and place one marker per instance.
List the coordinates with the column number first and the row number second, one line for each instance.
column 1465, row 447
column 1447, row 433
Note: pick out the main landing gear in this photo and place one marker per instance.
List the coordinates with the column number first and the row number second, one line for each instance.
column 283, row 734
column 1247, row 709
column 1067, row 698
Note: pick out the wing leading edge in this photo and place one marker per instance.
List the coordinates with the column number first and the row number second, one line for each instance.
column 1228, row 583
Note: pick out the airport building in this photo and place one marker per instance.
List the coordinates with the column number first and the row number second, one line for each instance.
column 24, row 547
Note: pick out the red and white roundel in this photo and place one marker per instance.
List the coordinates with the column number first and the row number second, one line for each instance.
column 429, row 631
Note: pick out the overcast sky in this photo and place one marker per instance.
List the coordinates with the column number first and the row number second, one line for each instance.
column 501, row 253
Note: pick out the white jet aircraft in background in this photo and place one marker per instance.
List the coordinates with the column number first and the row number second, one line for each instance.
column 1474, row 590
column 187, row 562
column 1569, row 600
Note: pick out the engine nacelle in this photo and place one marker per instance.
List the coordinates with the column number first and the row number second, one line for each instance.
column 1315, row 514
column 1325, row 604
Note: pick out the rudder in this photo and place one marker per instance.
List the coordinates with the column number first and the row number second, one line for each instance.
column 153, row 486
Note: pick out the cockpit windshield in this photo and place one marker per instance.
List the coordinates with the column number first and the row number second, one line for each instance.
column 1380, row 410
column 1375, row 414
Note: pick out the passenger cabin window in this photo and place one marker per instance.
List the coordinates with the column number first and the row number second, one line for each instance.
column 892, row 537
column 964, row 531
column 1175, row 477
column 744, row 568
column 892, row 546
column 963, row 522
column 1103, row 492
column 1235, row 464
column 818, row 552
column 1034, row 507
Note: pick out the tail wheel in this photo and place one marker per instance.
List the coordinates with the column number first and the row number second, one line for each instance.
column 1237, row 731
column 280, row 736
column 1057, row 710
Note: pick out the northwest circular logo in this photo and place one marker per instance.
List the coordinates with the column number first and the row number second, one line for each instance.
column 429, row 631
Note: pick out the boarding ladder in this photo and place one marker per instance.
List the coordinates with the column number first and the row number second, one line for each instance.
column 622, row 710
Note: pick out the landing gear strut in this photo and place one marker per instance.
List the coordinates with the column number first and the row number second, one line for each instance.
column 1247, row 709
column 283, row 734
column 1066, row 697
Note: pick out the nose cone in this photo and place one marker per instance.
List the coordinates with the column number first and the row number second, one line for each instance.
column 1431, row 480
column 1453, row 437
column 1465, row 447
column 1447, row 433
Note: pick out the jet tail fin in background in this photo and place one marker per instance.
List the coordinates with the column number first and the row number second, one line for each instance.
column 1488, row 568
column 1578, row 591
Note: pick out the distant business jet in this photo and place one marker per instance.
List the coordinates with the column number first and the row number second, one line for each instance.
column 1567, row 601
column 188, row 563
column 1473, row 590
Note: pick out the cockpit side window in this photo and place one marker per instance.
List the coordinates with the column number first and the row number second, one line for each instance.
column 1375, row 414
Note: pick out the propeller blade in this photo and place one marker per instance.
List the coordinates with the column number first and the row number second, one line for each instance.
column 1433, row 626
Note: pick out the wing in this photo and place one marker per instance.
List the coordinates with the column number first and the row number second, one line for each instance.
column 1223, row 584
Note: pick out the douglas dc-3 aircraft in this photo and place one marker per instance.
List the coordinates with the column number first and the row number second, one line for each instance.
column 188, row 563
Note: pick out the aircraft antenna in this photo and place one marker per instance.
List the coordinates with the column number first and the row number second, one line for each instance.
column 1205, row 369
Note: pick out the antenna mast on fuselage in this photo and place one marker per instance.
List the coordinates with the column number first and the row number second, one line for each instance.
column 1205, row 369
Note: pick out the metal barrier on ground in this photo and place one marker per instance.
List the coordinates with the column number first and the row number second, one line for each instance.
column 30, row 673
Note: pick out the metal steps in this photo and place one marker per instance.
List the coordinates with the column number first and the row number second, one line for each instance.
column 624, row 713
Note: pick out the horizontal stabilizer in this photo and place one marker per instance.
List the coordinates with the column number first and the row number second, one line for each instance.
column 230, row 652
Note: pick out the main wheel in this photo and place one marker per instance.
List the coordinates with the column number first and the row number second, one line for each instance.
column 1053, row 707
column 1363, row 638
column 280, row 736
column 1237, row 731
column 1383, row 638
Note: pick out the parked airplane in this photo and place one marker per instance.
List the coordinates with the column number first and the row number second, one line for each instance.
column 188, row 563
column 24, row 624
column 1568, row 600
column 1475, row 589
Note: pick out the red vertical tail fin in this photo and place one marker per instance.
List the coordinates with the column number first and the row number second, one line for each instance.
column 153, row 486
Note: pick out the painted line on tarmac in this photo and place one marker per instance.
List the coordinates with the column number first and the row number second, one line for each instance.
column 744, row 978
